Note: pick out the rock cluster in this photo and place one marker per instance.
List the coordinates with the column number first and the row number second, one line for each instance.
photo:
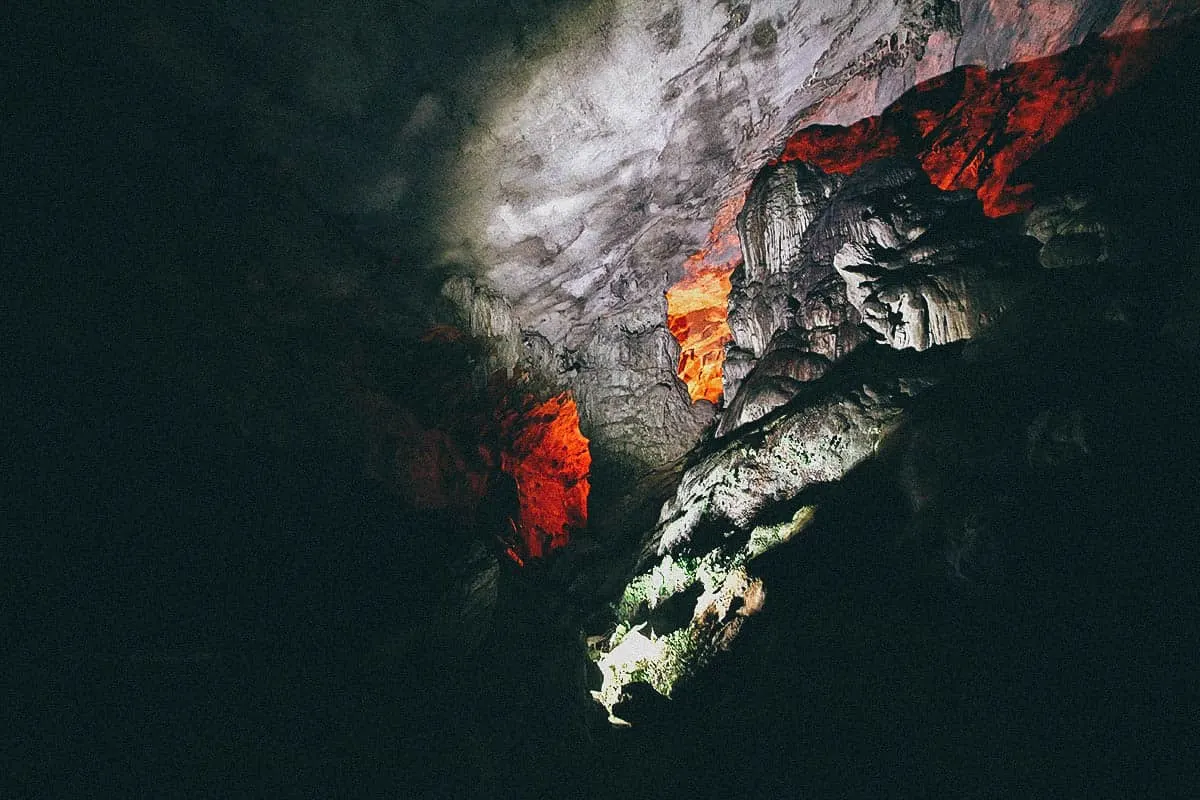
column 696, row 583
column 830, row 263
column 1072, row 232
column 925, row 267
column 825, row 431
column 917, row 266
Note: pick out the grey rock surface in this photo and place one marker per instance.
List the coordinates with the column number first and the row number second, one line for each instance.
column 790, row 302
column 825, row 431
column 632, row 403
column 785, row 257
column 784, row 201
column 776, row 378
column 1073, row 233
column 924, row 267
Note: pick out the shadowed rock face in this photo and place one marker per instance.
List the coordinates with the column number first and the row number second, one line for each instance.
column 824, row 432
column 924, row 267
column 883, row 247
column 774, row 380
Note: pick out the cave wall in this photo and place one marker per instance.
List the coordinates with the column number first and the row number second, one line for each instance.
column 640, row 136
column 968, row 566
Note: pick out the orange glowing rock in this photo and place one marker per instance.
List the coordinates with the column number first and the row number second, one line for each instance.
column 969, row 128
column 549, row 459
column 697, row 318
column 697, row 308
column 448, row 458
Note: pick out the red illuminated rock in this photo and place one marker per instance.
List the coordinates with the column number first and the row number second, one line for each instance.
column 509, row 467
column 549, row 460
column 969, row 129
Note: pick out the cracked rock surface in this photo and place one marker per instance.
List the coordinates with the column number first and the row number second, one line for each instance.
column 881, row 247
column 823, row 433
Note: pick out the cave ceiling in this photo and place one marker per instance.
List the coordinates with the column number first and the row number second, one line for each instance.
column 564, row 160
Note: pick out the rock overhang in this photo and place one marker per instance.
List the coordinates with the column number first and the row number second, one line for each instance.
column 635, row 137
column 641, row 144
column 572, row 156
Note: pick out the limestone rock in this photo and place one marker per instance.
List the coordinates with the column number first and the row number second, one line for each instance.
column 631, row 399
column 710, row 598
column 783, row 203
column 788, row 295
column 1073, row 233
column 925, row 267
column 738, row 364
column 776, row 379
column 827, row 324
column 696, row 586
column 826, row 430
column 786, row 257
column 570, row 154
column 485, row 314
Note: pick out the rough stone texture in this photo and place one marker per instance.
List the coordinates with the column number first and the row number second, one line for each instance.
column 786, row 298
column 822, row 434
column 779, row 268
column 695, row 583
column 795, row 220
column 829, row 325
column 924, row 267
column 668, row 130
column 781, row 205
column 673, row 618
column 824, row 253
column 692, row 121
column 486, row 315
column 633, row 405
column 776, row 378
column 1072, row 232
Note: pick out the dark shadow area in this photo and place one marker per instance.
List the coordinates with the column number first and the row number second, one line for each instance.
column 1028, row 631
column 206, row 591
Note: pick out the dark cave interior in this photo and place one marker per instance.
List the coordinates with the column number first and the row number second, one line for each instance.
column 258, row 516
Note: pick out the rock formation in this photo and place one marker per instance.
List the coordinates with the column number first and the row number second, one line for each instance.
column 571, row 155
column 923, row 267
column 824, row 431
column 883, row 247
